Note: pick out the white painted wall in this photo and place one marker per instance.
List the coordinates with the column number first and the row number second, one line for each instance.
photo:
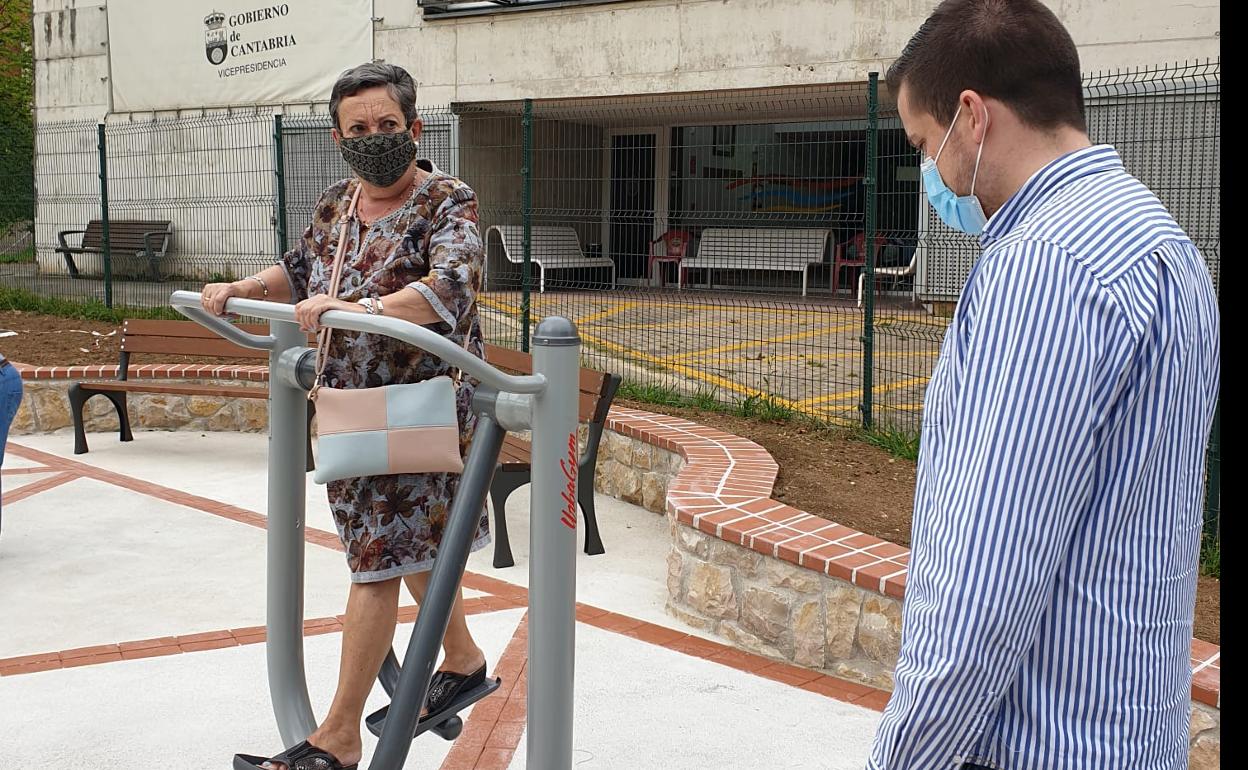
column 661, row 46
column 648, row 46
column 637, row 48
column 71, row 60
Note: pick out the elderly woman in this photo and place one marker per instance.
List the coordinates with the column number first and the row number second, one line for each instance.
column 413, row 252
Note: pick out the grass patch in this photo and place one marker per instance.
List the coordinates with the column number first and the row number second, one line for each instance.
column 706, row 400
column 650, row 394
column 758, row 406
column 1211, row 558
column 24, row 256
column 766, row 408
column 902, row 444
column 20, row 300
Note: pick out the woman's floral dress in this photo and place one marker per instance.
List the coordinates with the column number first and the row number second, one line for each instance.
column 392, row 525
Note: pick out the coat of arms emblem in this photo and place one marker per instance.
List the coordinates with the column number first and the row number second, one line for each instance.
column 214, row 37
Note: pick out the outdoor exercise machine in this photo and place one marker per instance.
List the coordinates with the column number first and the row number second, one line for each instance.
column 545, row 402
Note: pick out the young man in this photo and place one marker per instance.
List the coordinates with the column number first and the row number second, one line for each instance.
column 1057, row 524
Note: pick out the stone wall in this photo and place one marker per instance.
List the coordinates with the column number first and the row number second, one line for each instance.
column 773, row 608
column 45, row 408
column 634, row 471
column 1206, row 738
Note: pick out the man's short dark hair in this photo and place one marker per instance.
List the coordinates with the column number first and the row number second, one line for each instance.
column 1015, row 51
column 396, row 80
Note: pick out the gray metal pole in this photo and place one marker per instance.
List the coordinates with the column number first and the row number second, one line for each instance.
column 552, row 546
column 435, row 610
column 287, row 456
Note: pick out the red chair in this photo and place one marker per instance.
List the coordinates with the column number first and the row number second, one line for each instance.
column 675, row 247
column 853, row 256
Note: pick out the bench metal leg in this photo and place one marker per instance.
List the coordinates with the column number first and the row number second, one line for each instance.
column 153, row 267
column 69, row 263
column 505, row 482
column 78, row 397
column 78, row 400
column 585, row 496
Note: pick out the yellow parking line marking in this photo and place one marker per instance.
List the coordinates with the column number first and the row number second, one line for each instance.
column 754, row 343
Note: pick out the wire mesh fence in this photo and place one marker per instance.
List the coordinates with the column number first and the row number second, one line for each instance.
column 707, row 244
column 769, row 248
column 1166, row 123
column 17, row 198
column 213, row 180
column 188, row 200
column 65, row 186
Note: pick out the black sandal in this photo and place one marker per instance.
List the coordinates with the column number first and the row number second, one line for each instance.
column 445, row 687
column 305, row 756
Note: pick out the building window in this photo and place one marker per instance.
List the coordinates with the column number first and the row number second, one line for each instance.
column 801, row 174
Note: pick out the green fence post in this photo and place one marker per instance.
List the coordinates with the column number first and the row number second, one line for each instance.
column 105, row 243
column 869, row 185
column 526, row 211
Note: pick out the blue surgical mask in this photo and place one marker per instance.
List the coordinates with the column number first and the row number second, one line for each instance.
column 961, row 212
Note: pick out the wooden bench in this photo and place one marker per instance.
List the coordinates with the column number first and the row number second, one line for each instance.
column 145, row 240
column 514, row 469
column 552, row 247
column 182, row 338
column 765, row 249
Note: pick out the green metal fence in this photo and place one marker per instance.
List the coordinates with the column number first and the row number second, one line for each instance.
column 767, row 247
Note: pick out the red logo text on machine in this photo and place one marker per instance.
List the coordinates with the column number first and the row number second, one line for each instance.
column 569, row 467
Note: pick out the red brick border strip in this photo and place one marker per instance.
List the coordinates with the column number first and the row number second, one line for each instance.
column 24, row 471
column 35, row 487
column 493, row 729
column 146, row 372
column 160, row 492
column 209, row 640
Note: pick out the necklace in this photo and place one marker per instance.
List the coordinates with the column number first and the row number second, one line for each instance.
column 402, row 198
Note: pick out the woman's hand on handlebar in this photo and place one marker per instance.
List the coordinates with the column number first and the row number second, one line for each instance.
column 215, row 295
column 308, row 312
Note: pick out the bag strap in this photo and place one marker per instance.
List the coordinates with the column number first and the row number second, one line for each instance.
column 335, row 278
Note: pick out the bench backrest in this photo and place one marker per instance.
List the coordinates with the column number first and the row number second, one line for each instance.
column 761, row 247
column 552, row 245
column 184, row 338
column 128, row 234
column 597, row 388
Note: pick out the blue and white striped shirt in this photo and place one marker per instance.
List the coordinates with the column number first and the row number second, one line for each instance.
column 1057, row 522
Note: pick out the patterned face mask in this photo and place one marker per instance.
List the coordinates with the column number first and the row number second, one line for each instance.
column 379, row 159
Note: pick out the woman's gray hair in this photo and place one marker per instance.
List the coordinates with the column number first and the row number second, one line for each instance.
column 396, row 80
